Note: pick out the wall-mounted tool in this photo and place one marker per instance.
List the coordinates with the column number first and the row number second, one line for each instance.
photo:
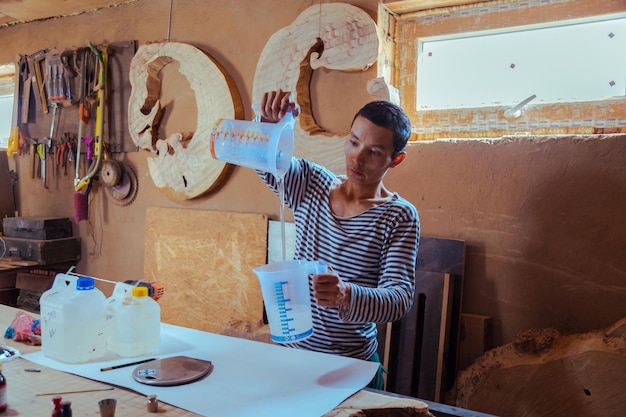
column 69, row 72
column 57, row 82
column 61, row 156
column 34, row 61
column 102, row 59
column 126, row 186
column 33, row 155
column 13, row 147
column 81, row 63
column 43, row 146
column 26, row 81
column 42, row 151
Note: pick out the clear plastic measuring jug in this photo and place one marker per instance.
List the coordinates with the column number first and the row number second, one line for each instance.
column 264, row 146
column 285, row 288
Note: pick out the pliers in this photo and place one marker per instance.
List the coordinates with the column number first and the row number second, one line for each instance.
column 61, row 156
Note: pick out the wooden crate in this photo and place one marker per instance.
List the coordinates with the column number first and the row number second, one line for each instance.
column 37, row 283
column 42, row 228
column 44, row 252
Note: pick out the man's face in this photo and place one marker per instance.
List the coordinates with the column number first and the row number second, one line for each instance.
column 368, row 150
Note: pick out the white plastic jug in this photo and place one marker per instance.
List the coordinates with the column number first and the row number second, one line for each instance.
column 285, row 289
column 133, row 321
column 73, row 320
column 264, row 146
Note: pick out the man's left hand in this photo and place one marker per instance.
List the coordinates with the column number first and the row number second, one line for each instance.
column 330, row 291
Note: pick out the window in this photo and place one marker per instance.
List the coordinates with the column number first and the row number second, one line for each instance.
column 507, row 66
column 567, row 76
column 6, row 102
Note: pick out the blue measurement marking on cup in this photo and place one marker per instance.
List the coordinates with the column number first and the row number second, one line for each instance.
column 283, row 309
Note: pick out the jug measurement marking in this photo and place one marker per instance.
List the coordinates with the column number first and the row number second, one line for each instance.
column 282, row 307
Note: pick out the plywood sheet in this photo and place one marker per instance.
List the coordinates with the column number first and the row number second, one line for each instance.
column 205, row 261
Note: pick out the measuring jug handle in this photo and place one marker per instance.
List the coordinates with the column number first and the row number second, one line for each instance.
column 317, row 267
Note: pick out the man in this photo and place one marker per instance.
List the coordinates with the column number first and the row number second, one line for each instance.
column 368, row 235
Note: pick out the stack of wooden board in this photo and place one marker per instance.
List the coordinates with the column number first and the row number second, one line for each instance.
column 35, row 250
column 31, row 285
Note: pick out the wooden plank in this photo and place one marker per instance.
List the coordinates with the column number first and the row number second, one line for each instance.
column 205, row 260
column 475, row 338
column 411, row 6
column 444, row 334
column 27, row 10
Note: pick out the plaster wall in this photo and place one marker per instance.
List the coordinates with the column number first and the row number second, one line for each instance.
column 542, row 217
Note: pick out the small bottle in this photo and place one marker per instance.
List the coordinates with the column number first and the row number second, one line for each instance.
column 3, row 392
column 153, row 404
column 66, row 409
column 56, row 400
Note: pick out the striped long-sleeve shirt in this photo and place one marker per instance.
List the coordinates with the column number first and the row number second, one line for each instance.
column 374, row 252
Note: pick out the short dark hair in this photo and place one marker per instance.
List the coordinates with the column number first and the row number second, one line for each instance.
column 390, row 116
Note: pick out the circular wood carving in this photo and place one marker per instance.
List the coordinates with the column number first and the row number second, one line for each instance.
column 335, row 36
column 183, row 166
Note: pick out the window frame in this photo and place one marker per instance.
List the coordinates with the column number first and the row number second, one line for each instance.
column 591, row 117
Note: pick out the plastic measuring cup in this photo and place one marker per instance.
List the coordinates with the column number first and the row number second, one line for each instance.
column 264, row 146
column 285, row 288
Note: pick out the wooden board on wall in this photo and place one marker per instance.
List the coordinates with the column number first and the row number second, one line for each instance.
column 205, row 260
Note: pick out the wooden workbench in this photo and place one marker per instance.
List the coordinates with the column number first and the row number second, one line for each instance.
column 30, row 392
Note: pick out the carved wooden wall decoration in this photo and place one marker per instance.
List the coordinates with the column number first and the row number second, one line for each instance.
column 335, row 36
column 183, row 166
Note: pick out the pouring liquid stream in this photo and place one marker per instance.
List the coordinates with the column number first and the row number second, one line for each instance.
column 281, row 196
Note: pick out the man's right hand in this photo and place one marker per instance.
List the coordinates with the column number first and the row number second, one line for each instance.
column 275, row 105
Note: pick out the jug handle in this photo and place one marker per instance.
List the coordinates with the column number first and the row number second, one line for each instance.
column 317, row 267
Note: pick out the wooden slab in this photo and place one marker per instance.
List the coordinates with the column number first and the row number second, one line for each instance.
column 372, row 404
column 205, row 260
column 545, row 373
